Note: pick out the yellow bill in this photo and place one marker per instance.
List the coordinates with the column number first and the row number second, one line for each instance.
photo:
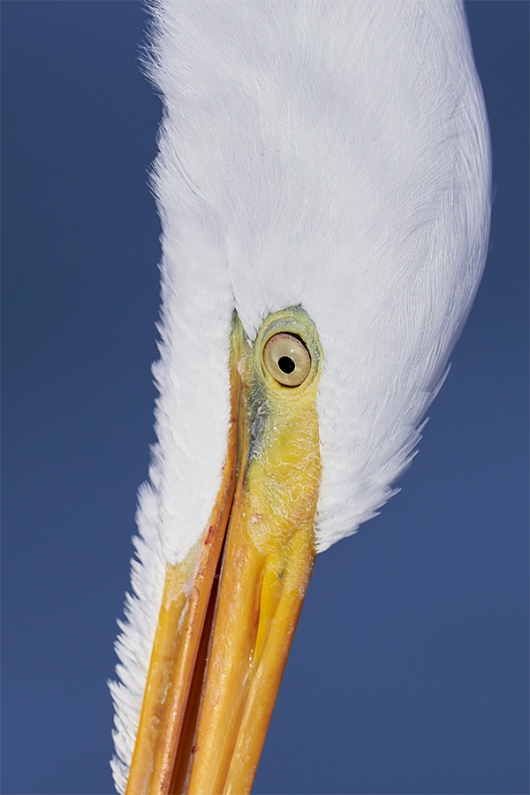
column 229, row 610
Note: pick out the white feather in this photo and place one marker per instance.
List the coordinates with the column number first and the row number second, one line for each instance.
column 329, row 154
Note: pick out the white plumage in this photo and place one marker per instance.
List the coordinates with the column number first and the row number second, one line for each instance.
column 328, row 154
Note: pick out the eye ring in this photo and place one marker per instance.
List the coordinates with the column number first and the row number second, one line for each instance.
column 287, row 359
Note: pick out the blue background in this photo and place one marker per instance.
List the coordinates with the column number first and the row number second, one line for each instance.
column 409, row 669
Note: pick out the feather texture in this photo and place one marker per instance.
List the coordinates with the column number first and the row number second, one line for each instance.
column 328, row 154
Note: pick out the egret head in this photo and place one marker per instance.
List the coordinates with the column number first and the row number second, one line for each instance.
column 323, row 184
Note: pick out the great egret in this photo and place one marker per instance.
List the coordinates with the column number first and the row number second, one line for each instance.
column 323, row 182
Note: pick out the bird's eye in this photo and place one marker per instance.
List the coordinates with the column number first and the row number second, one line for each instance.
column 287, row 359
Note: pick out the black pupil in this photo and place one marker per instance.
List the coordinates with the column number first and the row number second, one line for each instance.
column 286, row 364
